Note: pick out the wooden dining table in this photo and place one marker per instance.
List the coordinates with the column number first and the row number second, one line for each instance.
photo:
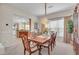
column 40, row 40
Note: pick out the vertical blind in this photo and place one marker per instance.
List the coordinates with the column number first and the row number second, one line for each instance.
column 57, row 25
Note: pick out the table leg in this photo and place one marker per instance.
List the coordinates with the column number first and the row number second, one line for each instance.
column 40, row 50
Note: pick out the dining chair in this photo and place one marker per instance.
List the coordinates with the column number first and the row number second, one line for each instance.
column 32, row 36
column 53, row 39
column 27, row 47
column 50, row 42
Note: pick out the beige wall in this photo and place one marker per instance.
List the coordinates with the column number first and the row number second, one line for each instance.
column 61, row 14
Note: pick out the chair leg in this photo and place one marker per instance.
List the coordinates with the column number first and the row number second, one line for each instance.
column 40, row 50
column 24, row 51
column 48, row 50
column 51, row 47
column 54, row 44
column 29, row 53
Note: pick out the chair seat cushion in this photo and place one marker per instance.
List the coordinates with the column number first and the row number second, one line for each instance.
column 46, row 44
column 32, row 44
column 34, row 48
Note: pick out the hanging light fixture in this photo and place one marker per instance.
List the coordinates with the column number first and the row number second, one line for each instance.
column 45, row 9
column 46, row 20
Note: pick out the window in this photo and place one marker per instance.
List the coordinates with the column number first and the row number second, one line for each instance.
column 23, row 23
column 58, row 26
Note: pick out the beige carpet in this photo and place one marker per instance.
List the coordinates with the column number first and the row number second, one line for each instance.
column 61, row 48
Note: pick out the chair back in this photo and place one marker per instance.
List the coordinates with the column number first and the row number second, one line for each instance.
column 26, row 43
column 55, row 34
column 53, row 38
column 31, row 34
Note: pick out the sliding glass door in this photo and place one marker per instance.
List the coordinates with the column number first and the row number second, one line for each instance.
column 57, row 25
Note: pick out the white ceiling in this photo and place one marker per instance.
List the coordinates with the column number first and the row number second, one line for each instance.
column 38, row 9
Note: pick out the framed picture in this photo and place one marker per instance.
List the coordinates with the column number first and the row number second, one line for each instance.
column 36, row 26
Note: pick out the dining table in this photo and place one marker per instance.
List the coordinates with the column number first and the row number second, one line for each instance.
column 40, row 40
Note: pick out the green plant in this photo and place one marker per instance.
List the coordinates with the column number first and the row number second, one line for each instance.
column 70, row 26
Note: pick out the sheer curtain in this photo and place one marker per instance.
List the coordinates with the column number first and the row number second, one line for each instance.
column 57, row 25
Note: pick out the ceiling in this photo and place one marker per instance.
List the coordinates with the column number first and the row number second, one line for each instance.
column 38, row 9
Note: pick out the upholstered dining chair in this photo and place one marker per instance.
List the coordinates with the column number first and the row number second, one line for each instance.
column 50, row 42
column 27, row 47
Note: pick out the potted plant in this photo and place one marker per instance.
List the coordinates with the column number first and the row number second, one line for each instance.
column 70, row 30
column 70, row 26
